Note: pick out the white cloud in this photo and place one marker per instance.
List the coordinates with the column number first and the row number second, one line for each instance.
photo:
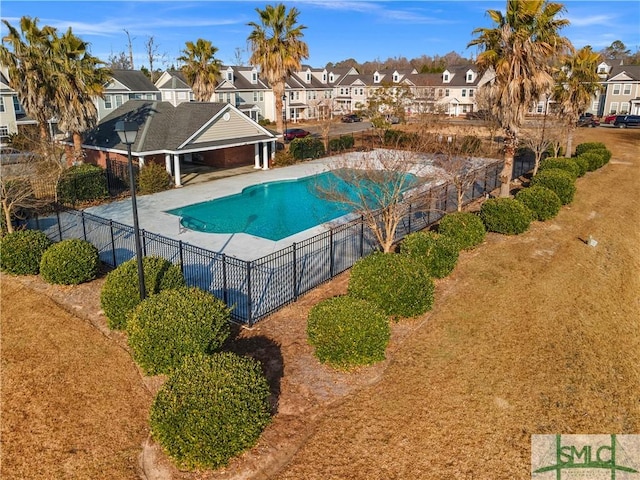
column 591, row 20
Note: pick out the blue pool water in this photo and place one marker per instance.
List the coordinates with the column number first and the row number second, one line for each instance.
column 272, row 210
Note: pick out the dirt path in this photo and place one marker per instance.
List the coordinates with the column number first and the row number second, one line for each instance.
column 531, row 334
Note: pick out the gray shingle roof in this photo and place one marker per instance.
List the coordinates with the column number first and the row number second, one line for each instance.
column 176, row 81
column 134, row 80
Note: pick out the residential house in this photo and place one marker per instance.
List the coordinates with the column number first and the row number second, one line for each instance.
column 621, row 91
column 458, row 87
column 243, row 88
column 174, row 88
column 123, row 86
column 212, row 134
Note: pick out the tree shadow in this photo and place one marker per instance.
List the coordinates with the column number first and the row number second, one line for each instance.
column 264, row 350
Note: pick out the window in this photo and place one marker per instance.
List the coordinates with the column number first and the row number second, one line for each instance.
column 624, row 107
column 464, row 92
column 308, row 77
column 255, row 96
column 261, row 96
column 626, row 89
column 445, row 77
column 540, row 107
column 594, row 106
column 376, row 78
column 440, row 93
column 614, row 107
column 362, row 91
column 166, row 95
column 16, row 105
column 465, row 108
column 446, row 92
column 602, row 69
column 4, row 131
column 182, row 95
column 469, row 76
column 118, row 100
column 324, row 78
column 254, row 77
column 470, row 92
column 220, row 97
column 107, row 102
column 396, row 78
column 1, row 104
column 230, row 76
column 150, row 96
column 616, row 89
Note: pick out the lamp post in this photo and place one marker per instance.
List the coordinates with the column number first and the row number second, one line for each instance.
column 127, row 131
column 284, row 117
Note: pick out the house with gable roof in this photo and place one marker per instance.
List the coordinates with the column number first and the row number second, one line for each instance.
column 213, row 134
column 173, row 87
column 457, row 89
column 621, row 91
column 242, row 87
column 123, row 86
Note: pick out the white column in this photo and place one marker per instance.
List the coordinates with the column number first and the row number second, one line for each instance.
column 140, row 162
column 167, row 162
column 176, row 169
column 256, row 155
column 273, row 149
column 265, row 156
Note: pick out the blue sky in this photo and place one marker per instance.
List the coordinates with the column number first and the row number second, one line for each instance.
column 336, row 29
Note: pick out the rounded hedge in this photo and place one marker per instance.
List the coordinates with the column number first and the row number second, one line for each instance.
column 582, row 164
column 70, row 262
column 347, row 332
column 597, row 158
column 21, row 251
column 120, row 293
column 153, row 178
column 210, row 409
column 167, row 327
column 561, row 182
column 464, row 228
column 566, row 164
column 543, row 203
column 398, row 284
column 84, row 182
column 506, row 216
column 585, row 147
column 307, row 147
column 439, row 253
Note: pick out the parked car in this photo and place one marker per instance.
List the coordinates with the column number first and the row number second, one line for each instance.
column 9, row 155
column 477, row 115
column 588, row 120
column 291, row 133
column 392, row 119
column 351, row 118
column 624, row 121
column 609, row 119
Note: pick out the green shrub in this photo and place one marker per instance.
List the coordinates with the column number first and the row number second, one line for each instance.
column 506, row 215
column 84, row 182
column 398, row 284
column 464, row 228
column 560, row 181
column 70, row 262
column 543, row 203
column 120, row 293
column 265, row 122
column 583, row 165
column 398, row 138
column 153, row 178
column 566, row 164
column 470, row 145
column 283, row 158
column 585, row 147
column 341, row 143
column 439, row 253
column 21, row 251
column 596, row 158
column 167, row 327
column 307, row 147
column 211, row 409
column 347, row 332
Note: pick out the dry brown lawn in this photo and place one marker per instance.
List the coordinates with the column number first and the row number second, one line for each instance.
column 538, row 333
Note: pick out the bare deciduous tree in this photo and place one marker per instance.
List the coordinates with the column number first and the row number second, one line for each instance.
column 380, row 187
column 539, row 135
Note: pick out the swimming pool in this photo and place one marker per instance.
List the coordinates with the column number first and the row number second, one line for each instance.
column 273, row 210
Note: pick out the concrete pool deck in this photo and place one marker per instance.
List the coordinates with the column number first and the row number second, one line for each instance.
column 152, row 208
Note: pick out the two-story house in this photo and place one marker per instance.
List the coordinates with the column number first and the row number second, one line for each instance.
column 622, row 90
column 125, row 85
column 243, row 88
column 174, row 88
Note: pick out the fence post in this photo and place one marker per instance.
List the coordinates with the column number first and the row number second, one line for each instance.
column 249, row 307
column 361, row 236
column 113, row 243
column 225, row 289
column 410, row 217
column 181, row 257
column 59, row 226
column 295, row 272
column 144, row 243
column 84, row 226
column 331, row 268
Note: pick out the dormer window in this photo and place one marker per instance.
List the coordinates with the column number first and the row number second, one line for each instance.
column 308, row 77
column 396, row 77
column 324, row 78
column 446, row 76
column 376, row 78
column 469, row 77
column 254, row 77
column 230, row 75
column 331, row 78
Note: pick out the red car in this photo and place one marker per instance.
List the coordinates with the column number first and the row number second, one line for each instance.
column 291, row 133
column 609, row 119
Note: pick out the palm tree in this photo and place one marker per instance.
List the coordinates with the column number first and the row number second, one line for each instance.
column 577, row 83
column 277, row 48
column 29, row 66
column 201, row 68
column 519, row 50
column 79, row 79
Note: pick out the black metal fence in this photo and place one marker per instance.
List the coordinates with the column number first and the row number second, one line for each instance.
column 256, row 288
